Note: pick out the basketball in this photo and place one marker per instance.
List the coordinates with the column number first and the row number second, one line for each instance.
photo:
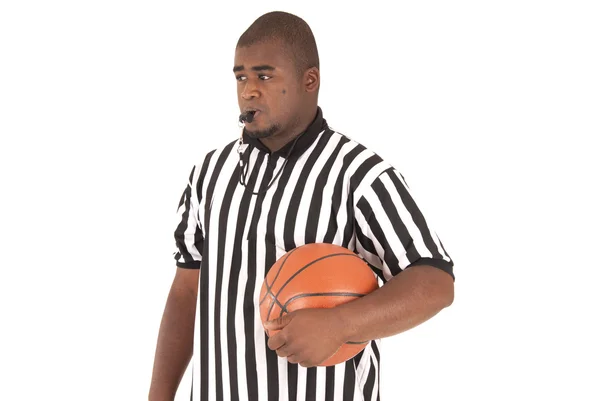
column 316, row 276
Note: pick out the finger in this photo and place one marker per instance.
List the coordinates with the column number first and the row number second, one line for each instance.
column 307, row 364
column 294, row 358
column 277, row 341
column 278, row 323
column 284, row 351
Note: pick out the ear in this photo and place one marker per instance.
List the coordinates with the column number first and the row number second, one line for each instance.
column 312, row 79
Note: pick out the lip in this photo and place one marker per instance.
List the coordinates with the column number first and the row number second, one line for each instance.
column 256, row 113
column 247, row 109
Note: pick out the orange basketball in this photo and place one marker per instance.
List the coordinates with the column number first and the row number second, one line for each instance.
column 316, row 276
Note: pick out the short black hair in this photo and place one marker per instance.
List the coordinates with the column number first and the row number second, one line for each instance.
column 292, row 30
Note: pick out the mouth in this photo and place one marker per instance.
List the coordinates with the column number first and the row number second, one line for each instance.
column 251, row 115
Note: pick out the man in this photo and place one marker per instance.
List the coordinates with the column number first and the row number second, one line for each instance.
column 290, row 181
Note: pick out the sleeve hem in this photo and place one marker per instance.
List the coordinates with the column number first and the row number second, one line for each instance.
column 438, row 263
column 189, row 265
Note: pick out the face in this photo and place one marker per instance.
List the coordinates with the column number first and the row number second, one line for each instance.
column 268, row 82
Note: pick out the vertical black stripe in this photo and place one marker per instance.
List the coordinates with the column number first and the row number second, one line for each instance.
column 223, row 230
column 317, row 196
column 370, row 383
column 236, row 265
column 293, row 209
column 378, row 363
column 349, row 380
column 270, row 259
column 311, row 384
column 330, row 383
column 204, row 279
column 292, row 381
column 249, row 303
column 336, row 198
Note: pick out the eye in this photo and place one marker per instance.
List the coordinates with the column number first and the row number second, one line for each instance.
column 240, row 78
column 264, row 77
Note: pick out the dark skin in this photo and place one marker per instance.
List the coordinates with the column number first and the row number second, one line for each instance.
column 287, row 102
column 268, row 81
column 174, row 346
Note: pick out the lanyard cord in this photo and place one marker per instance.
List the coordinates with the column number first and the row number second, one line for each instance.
column 243, row 166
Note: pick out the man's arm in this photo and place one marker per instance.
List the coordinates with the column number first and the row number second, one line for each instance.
column 407, row 300
column 175, row 338
column 309, row 336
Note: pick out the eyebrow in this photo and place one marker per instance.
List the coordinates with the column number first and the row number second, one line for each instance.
column 264, row 67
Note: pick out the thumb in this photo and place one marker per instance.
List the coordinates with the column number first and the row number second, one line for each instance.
column 278, row 323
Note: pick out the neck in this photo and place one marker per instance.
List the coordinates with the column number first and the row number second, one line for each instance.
column 276, row 142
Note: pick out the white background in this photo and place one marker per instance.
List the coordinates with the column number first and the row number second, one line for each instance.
column 489, row 109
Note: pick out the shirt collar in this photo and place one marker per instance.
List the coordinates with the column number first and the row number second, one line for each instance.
column 305, row 140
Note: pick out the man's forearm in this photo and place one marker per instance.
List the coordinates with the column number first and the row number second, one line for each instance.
column 407, row 300
column 174, row 346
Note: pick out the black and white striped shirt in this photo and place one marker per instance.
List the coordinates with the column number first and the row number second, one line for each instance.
column 331, row 190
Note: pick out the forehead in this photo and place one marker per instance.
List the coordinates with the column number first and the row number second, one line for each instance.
column 273, row 53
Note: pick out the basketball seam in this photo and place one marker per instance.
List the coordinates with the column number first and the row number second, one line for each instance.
column 268, row 287
column 304, row 268
column 321, row 294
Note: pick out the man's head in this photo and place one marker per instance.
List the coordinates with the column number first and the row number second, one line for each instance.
column 277, row 70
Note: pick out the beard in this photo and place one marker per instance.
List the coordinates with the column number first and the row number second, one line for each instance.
column 265, row 133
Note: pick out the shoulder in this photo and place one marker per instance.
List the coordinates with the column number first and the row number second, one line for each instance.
column 362, row 165
column 213, row 157
column 211, row 162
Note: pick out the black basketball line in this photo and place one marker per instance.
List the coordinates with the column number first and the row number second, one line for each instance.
column 275, row 278
column 275, row 301
column 269, row 292
column 319, row 294
column 304, row 268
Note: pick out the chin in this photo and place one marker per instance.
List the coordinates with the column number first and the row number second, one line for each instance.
column 262, row 133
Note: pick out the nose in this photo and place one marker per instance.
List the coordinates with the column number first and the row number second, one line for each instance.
column 250, row 91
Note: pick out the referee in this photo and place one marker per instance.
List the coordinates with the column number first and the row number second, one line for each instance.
column 290, row 180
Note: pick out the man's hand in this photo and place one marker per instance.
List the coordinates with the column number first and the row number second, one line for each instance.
column 307, row 336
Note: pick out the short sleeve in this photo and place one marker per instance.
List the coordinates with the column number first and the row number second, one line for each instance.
column 189, row 238
column 391, row 231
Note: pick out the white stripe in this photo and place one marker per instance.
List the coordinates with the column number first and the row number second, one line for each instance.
column 284, row 206
column 306, row 199
column 282, row 364
column 227, row 256
column 342, row 215
column 338, row 384
column 239, row 311
column 259, row 332
column 301, row 394
column 336, row 168
column 362, row 223
column 321, row 377
column 213, row 252
column 196, row 352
